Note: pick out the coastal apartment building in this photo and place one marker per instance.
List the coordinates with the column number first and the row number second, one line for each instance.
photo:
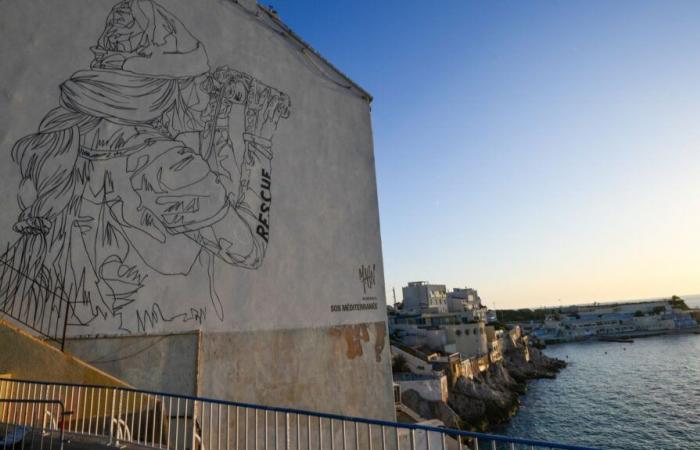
column 466, row 299
column 435, row 320
column 444, row 332
column 421, row 295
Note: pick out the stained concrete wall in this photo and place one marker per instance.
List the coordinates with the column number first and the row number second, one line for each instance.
column 265, row 239
column 334, row 369
column 161, row 363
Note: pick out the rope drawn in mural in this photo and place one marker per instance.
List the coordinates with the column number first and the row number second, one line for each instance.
column 136, row 174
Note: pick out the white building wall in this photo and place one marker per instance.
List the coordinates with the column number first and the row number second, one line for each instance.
column 250, row 258
column 433, row 389
column 415, row 364
column 422, row 295
column 469, row 339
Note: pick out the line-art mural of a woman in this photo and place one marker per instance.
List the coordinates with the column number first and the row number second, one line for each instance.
column 135, row 172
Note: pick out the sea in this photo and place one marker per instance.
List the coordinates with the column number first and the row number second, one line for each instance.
column 632, row 396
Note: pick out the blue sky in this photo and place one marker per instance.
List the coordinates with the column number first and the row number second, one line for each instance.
column 541, row 152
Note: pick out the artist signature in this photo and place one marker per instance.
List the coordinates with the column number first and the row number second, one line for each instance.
column 367, row 276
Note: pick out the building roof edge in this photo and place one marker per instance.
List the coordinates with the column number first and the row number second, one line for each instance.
column 294, row 36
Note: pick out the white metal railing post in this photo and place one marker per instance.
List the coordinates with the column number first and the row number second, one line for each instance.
column 286, row 431
column 111, row 423
column 133, row 414
column 153, row 422
column 140, row 423
column 162, row 421
column 357, row 437
column 119, row 415
column 77, row 416
column 194, row 420
column 89, row 412
column 33, row 397
column 71, row 408
column 103, row 412
column 170, row 415
column 177, row 421
column 344, row 434
column 145, row 426
column 320, row 433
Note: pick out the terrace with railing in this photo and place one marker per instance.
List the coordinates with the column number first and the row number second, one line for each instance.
column 61, row 415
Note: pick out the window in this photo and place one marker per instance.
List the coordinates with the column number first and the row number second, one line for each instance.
column 458, row 333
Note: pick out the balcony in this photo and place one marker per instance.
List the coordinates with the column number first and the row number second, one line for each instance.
column 37, row 415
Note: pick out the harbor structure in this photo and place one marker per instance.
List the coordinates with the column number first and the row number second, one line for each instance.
column 589, row 321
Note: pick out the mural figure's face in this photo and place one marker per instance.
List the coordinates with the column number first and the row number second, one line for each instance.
column 122, row 33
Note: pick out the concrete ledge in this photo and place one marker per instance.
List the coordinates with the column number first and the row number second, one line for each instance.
column 29, row 358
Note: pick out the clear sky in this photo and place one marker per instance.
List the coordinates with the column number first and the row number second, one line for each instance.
column 539, row 151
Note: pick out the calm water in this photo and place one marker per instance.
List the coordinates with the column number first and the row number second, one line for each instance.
column 644, row 395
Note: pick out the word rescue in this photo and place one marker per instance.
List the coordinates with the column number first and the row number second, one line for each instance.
column 263, row 228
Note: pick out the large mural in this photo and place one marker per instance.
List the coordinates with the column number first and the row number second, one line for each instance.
column 135, row 173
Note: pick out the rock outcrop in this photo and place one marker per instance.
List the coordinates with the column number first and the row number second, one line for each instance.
column 491, row 397
column 539, row 366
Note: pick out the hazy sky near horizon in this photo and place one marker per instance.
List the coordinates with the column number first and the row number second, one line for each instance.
column 538, row 151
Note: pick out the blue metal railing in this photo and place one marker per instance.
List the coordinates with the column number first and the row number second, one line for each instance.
column 163, row 420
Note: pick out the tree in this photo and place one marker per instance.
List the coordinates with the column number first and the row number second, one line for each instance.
column 677, row 302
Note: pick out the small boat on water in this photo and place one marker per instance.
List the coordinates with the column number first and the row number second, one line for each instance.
column 623, row 339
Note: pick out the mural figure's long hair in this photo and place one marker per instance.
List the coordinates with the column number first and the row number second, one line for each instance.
column 38, row 268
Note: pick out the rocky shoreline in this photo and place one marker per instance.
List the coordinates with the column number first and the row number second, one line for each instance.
column 491, row 397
